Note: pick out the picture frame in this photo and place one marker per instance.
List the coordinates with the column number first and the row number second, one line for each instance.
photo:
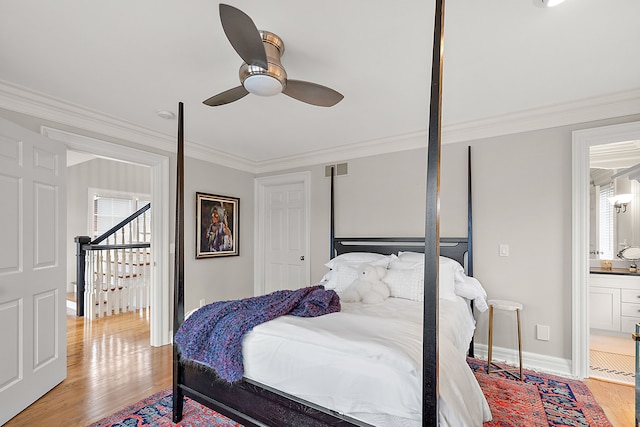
column 217, row 225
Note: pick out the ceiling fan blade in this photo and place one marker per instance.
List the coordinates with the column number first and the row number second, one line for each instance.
column 243, row 35
column 226, row 97
column 312, row 93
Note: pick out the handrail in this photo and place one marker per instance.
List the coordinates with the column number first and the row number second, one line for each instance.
column 91, row 247
column 121, row 224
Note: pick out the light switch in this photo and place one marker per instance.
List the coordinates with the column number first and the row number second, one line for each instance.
column 504, row 250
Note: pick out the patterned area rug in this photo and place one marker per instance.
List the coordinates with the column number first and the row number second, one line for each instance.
column 156, row 410
column 539, row 400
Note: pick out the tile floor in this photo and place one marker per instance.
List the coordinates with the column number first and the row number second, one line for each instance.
column 612, row 358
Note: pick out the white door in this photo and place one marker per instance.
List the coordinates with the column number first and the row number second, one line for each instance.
column 283, row 232
column 32, row 267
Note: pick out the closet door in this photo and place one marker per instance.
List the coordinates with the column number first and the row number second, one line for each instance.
column 282, row 250
column 32, row 267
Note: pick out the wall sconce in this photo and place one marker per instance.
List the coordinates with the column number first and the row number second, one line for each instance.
column 620, row 202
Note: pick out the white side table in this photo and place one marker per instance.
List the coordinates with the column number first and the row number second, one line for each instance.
column 496, row 304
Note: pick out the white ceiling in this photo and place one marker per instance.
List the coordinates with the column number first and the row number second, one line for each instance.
column 120, row 61
column 615, row 156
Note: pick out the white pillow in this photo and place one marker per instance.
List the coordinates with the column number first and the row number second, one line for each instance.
column 328, row 280
column 419, row 257
column 446, row 281
column 355, row 258
column 458, row 270
column 407, row 283
column 345, row 275
column 398, row 264
column 406, row 279
column 470, row 288
column 411, row 256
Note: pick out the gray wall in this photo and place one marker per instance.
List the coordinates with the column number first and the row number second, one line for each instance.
column 217, row 279
column 521, row 197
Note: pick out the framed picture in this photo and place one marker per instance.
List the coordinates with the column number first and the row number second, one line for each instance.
column 217, row 225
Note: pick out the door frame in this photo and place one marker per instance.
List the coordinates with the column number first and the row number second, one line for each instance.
column 260, row 184
column 582, row 140
column 160, row 292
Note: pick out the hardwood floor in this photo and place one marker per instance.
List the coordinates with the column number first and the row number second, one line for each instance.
column 110, row 365
column 617, row 400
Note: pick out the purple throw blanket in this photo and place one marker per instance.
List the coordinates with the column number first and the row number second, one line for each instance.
column 213, row 335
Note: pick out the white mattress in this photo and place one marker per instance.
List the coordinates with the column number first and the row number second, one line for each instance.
column 366, row 362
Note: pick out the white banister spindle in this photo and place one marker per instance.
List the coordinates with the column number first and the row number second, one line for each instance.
column 89, row 287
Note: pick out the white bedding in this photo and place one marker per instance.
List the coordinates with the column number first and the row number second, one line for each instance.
column 366, row 361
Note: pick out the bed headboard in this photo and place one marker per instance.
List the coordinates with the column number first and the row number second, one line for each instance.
column 456, row 248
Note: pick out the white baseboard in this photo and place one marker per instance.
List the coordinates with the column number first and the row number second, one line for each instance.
column 532, row 361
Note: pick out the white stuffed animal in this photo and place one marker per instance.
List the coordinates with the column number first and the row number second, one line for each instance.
column 368, row 287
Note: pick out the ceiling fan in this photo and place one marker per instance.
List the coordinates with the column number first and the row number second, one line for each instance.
column 262, row 72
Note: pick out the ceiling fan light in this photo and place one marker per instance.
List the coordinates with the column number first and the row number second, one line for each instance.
column 262, row 85
column 550, row 3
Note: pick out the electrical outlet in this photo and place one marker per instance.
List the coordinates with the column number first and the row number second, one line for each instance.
column 542, row 332
column 202, row 302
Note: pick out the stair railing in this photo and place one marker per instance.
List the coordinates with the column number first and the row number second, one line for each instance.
column 113, row 271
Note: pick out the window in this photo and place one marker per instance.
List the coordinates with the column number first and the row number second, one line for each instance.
column 109, row 211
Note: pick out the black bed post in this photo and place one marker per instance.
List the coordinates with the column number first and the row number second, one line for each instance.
column 469, row 217
column 178, row 290
column 430, row 391
column 471, row 352
column 332, row 232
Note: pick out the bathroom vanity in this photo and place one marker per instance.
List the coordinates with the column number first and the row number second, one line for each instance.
column 614, row 300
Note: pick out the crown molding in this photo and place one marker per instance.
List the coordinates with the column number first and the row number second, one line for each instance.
column 374, row 147
column 607, row 106
column 214, row 155
column 29, row 102
column 35, row 104
column 26, row 101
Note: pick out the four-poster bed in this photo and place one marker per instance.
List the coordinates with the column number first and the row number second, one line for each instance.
column 260, row 399
column 255, row 404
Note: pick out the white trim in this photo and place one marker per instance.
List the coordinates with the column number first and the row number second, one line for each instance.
column 582, row 111
column 582, row 140
column 260, row 204
column 534, row 361
column 161, row 331
column 27, row 101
